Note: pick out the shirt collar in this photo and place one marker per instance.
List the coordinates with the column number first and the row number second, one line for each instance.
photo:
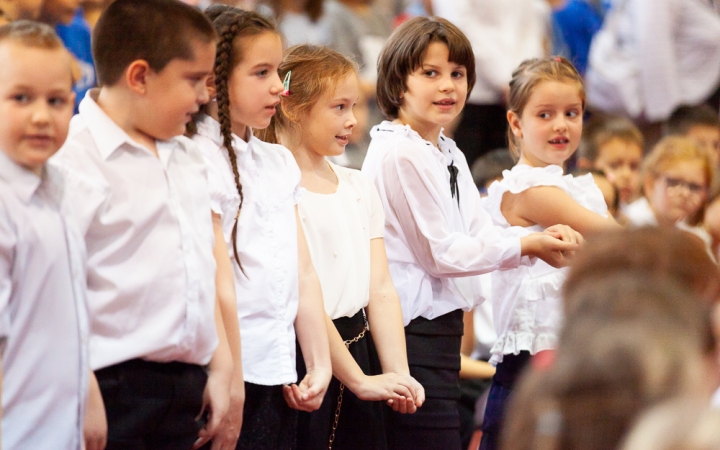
column 210, row 128
column 446, row 145
column 107, row 135
column 25, row 183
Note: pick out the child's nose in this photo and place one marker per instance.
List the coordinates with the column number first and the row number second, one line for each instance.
column 447, row 84
column 277, row 85
column 352, row 121
column 41, row 114
column 560, row 123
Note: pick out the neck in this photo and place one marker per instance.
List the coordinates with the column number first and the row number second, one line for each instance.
column 115, row 102
column 428, row 131
column 240, row 130
column 317, row 176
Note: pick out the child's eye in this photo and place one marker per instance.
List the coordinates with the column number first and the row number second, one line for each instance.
column 340, row 107
column 58, row 101
column 430, row 73
column 572, row 113
column 458, row 74
column 544, row 115
column 21, row 98
column 262, row 73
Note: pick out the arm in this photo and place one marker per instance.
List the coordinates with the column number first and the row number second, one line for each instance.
column 95, row 428
column 419, row 203
column 311, row 330
column 217, row 390
column 225, row 291
column 549, row 205
column 472, row 368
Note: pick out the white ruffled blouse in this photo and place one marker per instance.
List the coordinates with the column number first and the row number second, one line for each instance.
column 526, row 301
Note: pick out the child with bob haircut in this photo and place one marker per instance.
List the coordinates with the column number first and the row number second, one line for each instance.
column 254, row 189
column 545, row 108
column 699, row 123
column 43, row 316
column 344, row 223
column 615, row 146
column 143, row 208
column 437, row 235
column 675, row 180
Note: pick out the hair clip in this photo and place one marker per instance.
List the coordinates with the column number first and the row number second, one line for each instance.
column 286, row 84
column 558, row 59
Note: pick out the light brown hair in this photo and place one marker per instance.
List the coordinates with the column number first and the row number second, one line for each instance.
column 612, row 362
column 599, row 131
column 31, row 34
column 157, row 31
column 404, row 53
column 528, row 76
column 313, row 71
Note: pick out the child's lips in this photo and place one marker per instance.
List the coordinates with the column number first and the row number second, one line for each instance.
column 445, row 104
column 39, row 139
column 560, row 141
column 343, row 139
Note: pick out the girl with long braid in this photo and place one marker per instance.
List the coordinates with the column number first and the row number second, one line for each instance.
column 255, row 188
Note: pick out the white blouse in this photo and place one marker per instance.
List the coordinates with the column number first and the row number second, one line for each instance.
column 44, row 313
column 435, row 242
column 267, row 291
column 527, row 302
column 338, row 228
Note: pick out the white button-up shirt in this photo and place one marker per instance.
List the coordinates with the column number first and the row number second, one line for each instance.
column 434, row 242
column 147, row 227
column 44, row 315
column 267, row 293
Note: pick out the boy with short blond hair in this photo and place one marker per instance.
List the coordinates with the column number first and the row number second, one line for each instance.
column 43, row 317
column 154, row 316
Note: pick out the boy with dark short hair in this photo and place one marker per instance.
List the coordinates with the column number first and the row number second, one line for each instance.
column 43, row 316
column 154, row 316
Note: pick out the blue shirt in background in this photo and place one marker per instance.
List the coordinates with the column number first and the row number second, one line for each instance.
column 76, row 37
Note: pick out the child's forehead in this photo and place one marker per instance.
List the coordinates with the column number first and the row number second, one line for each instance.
column 52, row 63
column 619, row 146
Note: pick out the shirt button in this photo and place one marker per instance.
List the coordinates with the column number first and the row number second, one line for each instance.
column 335, row 254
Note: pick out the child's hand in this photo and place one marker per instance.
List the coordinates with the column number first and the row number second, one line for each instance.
column 565, row 234
column 554, row 247
column 227, row 436
column 309, row 394
column 401, row 392
column 405, row 405
column 216, row 400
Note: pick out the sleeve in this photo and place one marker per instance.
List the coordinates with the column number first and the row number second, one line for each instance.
column 8, row 242
column 294, row 174
column 377, row 215
column 416, row 199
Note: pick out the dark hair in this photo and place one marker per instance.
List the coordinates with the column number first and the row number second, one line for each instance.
column 404, row 53
column 232, row 25
column 531, row 73
column 31, row 34
column 598, row 131
column 315, row 71
column 491, row 165
column 686, row 117
column 157, row 31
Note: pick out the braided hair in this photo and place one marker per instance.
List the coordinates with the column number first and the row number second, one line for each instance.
column 232, row 24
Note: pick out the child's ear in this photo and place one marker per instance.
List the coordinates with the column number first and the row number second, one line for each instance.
column 211, row 87
column 514, row 121
column 136, row 75
column 648, row 185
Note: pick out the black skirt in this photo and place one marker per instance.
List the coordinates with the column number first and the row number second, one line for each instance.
column 360, row 424
column 433, row 348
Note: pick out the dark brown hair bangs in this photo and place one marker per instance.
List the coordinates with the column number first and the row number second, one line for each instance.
column 404, row 53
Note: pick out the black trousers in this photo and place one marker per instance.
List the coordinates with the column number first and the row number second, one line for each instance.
column 361, row 424
column 433, row 349
column 152, row 406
